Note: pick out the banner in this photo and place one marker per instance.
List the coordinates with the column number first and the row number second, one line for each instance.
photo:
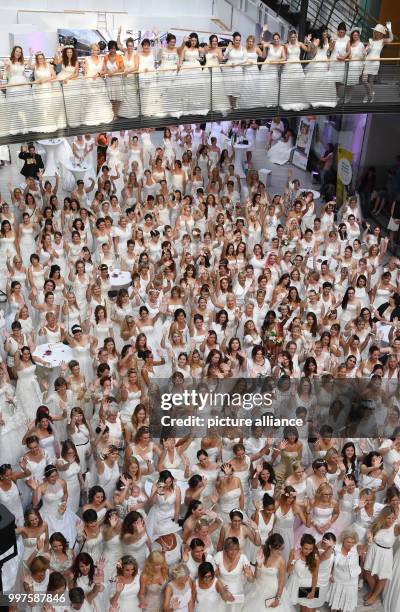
column 344, row 174
column 303, row 142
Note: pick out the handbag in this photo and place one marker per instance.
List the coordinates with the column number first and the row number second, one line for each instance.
column 304, row 591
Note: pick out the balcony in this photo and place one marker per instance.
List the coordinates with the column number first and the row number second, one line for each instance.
column 162, row 97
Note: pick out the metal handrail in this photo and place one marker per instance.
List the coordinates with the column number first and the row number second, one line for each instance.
column 191, row 68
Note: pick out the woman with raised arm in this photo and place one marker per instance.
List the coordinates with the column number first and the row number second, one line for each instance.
column 67, row 58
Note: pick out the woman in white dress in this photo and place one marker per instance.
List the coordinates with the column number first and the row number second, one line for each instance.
column 9, row 494
column 69, row 466
column 170, row 103
column 269, row 588
column 235, row 55
column 343, row 592
column 134, row 538
column 293, row 93
column 357, row 52
column 149, row 93
column 193, row 79
column 96, row 105
column 124, row 597
column 339, row 53
column 53, row 493
column 67, row 58
column 211, row 593
column 12, row 423
column 28, row 392
column 379, row 560
column 281, row 151
column 129, row 107
column 269, row 78
column 19, row 98
column 165, row 500
column 381, row 36
column 214, row 57
column 391, row 595
column 113, row 68
column 319, row 79
column 303, row 567
column 234, row 570
column 47, row 97
column 250, row 97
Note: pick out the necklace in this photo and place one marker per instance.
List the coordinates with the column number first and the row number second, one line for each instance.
column 165, row 545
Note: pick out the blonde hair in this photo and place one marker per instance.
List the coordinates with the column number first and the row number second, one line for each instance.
column 348, row 534
column 94, row 46
column 320, row 491
column 155, row 558
column 179, row 570
column 296, row 465
column 330, row 453
column 379, row 522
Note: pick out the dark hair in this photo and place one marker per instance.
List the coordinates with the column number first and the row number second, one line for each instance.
column 93, row 491
column 206, row 568
column 89, row 516
column 56, row 582
column 86, row 559
column 274, row 542
column 307, row 538
column 57, row 536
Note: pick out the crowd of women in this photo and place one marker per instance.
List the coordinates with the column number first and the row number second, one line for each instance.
column 191, row 79
column 226, row 283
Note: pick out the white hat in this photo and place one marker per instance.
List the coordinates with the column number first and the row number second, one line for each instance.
column 380, row 28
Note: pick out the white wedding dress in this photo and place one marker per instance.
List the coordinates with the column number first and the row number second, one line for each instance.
column 320, row 82
column 72, row 92
column 14, row 428
column 265, row 589
column 280, row 152
column 57, row 521
column 19, row 101
column 97, row 107
column 293, row 95
column 28, row 392
column 130, row 107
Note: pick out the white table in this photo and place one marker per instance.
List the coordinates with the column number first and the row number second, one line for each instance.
column 51, row 147
column 59, row 352
column 79, row 170
column 240, row 150
column 119, row 279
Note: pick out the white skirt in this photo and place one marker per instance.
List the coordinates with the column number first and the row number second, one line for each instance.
column 343, row 597
column 320, row 86
column 293, row 91
column 130, row 107
column 379, row 561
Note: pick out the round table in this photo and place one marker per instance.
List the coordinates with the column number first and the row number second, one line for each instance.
column 79, row 170
column 240, row 150
column 59, row 352
column 51, row 147
column 119, row 279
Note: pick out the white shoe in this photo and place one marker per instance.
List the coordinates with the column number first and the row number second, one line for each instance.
column 365, row 99
column 372, row 97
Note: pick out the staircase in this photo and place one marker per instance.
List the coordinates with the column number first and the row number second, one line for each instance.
column 326, row 13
